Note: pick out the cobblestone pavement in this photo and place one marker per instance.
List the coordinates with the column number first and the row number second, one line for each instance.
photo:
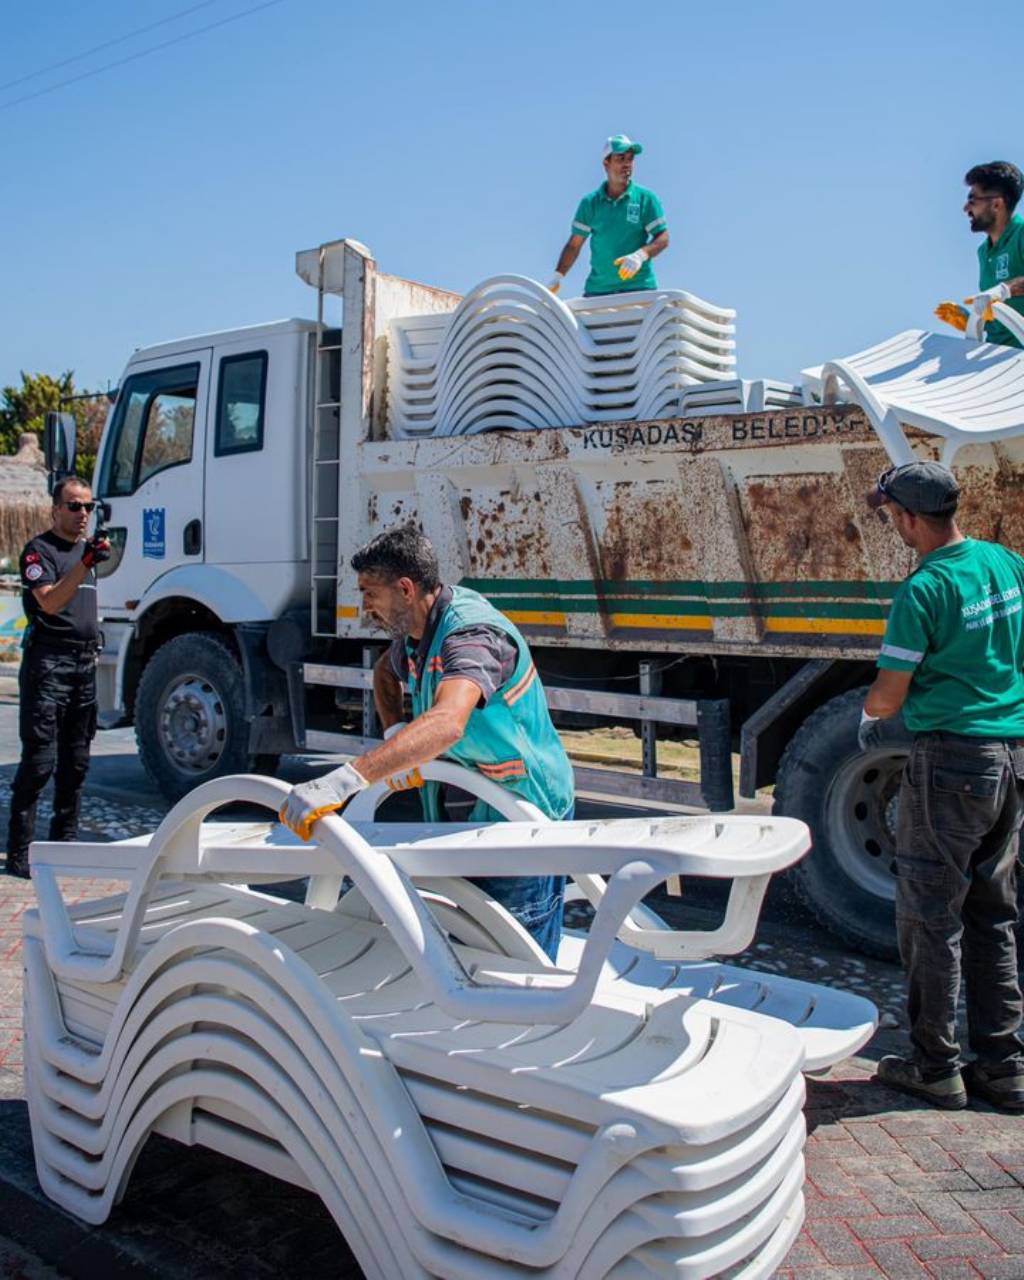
column 893, row 1190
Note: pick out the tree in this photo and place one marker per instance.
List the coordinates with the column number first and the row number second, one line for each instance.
column 24, row 408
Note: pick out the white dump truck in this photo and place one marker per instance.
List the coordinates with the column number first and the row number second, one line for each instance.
column 713, row 576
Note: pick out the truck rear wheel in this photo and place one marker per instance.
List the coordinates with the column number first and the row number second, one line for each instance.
column 848, row 798
column 190, row 722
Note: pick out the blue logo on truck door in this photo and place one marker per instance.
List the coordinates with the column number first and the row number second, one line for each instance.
column 154, row 532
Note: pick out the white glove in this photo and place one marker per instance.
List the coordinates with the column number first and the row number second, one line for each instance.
column 865, row 731
column 631, row 264
column 309, row 801
column 981, row 302
column 555, row 283
column 392, row 729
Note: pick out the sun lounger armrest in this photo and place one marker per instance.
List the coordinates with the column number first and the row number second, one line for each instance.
column 882, row 418
column 83, row 953
column 1013, row 320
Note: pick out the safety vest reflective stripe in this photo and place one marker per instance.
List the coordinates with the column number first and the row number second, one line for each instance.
column 504, row 769
column 516, row 692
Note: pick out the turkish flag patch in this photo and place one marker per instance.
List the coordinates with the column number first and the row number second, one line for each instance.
column 30, row 556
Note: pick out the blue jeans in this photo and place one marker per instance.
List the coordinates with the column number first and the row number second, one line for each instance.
column 537, row 902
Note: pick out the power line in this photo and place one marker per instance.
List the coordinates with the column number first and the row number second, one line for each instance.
column 132, row 57
column 107, row 44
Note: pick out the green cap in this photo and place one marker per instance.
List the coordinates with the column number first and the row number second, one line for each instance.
column 619, row 143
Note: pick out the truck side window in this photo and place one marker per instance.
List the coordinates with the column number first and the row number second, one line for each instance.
column 241, row 397
column 152, row 428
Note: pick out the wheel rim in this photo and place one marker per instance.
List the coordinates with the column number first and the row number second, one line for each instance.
column 860, row 818
column 193, row 725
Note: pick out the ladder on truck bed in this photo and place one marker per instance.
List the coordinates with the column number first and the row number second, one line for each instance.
column 326, row 461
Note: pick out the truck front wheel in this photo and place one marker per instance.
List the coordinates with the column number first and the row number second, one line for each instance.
column 190, row 722
column 848, row 798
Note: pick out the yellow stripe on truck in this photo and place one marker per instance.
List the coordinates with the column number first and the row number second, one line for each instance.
column 828, row 626
column 539, row 618
column 663, row 621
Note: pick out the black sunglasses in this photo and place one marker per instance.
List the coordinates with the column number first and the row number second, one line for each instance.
column 80, row 506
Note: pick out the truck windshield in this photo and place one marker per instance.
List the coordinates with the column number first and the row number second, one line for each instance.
column 151, row 430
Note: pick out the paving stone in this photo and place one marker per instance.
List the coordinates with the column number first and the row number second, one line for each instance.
column 837, row 1206
column 939, row 1180
column 885, row 1196
column 861, row 1165
column 805, row 1253
column 835, row 1240
column 997, row 1198
column 1011, row 1268
column 1003, row 1227
column 969, row 1247
column 897, row 1261
column 900, row 1225
column 945, row 1212
column 928, row 1155
column 986, row 1173
column 953, row 1269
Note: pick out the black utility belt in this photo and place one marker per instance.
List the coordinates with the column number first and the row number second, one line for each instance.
column 70, row 647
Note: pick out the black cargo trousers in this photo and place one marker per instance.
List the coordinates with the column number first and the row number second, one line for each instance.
column 57, row 723
column 958, row 832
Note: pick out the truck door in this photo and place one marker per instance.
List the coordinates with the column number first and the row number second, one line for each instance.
column 151, row 474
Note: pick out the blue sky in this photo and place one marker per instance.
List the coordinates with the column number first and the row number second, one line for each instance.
column 809, row 157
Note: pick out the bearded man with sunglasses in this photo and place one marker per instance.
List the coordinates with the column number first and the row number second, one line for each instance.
column 994, row 191
column 57, row 681
column 952, row 660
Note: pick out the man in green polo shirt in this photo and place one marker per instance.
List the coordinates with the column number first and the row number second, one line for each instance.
column 994, row 191
column 952, row 659
column 626, row 226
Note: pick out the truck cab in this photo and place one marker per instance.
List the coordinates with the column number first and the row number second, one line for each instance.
column 203, row 469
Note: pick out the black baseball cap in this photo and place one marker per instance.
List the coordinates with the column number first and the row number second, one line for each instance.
column 925, row 488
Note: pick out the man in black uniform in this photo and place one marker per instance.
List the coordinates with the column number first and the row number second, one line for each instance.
column 57, row 682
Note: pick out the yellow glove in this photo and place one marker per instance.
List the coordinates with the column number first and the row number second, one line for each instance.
column 309, row 801
column 405, row 781
column 631, row 263
column 954, row 314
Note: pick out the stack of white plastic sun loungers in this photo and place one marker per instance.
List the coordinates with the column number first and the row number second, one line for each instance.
column 463, row 1108
column 512, row 355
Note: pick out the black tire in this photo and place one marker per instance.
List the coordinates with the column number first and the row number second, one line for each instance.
column 848, row 799
column 268, row 765
column 190, row 722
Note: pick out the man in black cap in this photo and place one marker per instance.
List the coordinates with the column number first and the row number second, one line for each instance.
column 952, row 660
column 57, row 681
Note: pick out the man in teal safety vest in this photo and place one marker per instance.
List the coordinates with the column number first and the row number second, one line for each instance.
column 625, row 223
column 476, row 699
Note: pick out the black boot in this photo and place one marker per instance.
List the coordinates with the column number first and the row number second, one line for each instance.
column 17, row 865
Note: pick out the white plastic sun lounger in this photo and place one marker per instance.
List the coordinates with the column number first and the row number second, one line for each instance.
column 633, row 1133
column 966, row 392
column 834, row 1024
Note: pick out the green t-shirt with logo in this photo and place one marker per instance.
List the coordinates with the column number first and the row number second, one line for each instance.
column 958, row 624
column 998, row 262
column 617, row 227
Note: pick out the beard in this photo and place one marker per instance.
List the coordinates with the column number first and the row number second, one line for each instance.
column 982, row 222
column 397, row 626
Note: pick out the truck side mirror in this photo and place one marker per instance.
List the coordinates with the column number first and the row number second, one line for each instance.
column 59, row 445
